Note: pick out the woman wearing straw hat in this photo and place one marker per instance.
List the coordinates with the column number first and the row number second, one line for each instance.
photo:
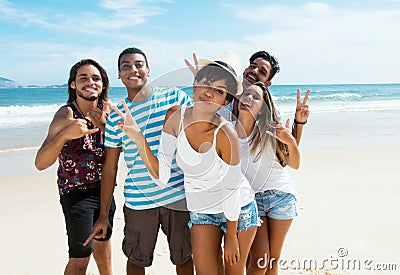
column 219, row 197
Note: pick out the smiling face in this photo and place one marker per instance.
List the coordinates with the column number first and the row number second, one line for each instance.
column 133, row 71
column 210, row 94
column 252, row 101
column 258, row 71
column 88, row 82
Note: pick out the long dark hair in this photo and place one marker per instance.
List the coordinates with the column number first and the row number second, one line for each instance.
column 266, row 121
column 72, row 77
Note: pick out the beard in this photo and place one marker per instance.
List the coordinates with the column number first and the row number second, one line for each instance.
column 88, row 98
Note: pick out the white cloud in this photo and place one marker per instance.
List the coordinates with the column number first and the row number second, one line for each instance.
column 118, row 5
column 119, row 14
column 314, row 42
column 49, row 63
column 22, row 16
column 320, row 43
column 316, row 8
column 126, row 13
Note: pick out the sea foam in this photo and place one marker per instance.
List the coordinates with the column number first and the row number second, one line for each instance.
column 17, row 115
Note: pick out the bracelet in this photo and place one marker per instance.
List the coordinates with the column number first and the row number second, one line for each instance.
column 301, row 123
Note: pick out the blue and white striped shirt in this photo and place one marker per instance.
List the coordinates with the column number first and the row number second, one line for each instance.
column 140, row 191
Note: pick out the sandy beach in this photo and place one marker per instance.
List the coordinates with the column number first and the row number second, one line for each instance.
column 348, row 197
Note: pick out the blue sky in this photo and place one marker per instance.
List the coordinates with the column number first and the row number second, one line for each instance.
column 315, row 42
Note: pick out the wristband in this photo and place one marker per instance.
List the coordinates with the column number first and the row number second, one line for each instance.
column 301, row 123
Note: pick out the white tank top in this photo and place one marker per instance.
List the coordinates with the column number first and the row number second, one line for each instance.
column 265, row 173
column 205, row 177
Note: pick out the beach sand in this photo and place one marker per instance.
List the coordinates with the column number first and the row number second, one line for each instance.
column 348, row 200
column 348, row 195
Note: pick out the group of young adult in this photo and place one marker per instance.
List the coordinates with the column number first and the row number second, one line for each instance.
column 204, row 179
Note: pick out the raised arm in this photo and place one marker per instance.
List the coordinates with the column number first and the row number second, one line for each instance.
column 62, row 129
column 132, row 130
column 301, row 115
column 159, row 166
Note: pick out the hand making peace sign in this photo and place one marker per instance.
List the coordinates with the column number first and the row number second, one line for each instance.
column 302, row 112
column 194, row 69
column 129, row 126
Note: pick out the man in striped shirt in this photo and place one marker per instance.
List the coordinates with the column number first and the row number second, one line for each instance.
column 147, row 205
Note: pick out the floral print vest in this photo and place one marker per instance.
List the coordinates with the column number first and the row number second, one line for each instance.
column 81, row 160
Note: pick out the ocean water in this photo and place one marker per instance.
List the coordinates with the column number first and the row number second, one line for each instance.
column 25, row 113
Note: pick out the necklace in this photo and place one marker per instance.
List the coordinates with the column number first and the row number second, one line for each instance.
column 82, row 113
column 77, row 106
column 89, row 140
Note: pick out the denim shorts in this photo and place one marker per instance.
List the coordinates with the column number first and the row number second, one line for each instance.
column 276, row 205
column 248, row 218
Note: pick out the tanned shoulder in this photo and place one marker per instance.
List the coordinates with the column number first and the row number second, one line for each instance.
column 172, row 120
column 60, row 118
column 228, row 144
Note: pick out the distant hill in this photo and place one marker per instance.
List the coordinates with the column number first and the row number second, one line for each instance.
column 48, row 86
column 8, row 83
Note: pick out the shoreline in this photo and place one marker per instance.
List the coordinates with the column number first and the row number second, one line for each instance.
column 333, row 128
column 323, row 130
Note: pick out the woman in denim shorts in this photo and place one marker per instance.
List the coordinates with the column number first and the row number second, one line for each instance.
column 266, row 147
column 219, row 197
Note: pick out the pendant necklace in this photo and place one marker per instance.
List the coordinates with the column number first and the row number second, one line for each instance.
column 79, row 109
column 89, row 140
